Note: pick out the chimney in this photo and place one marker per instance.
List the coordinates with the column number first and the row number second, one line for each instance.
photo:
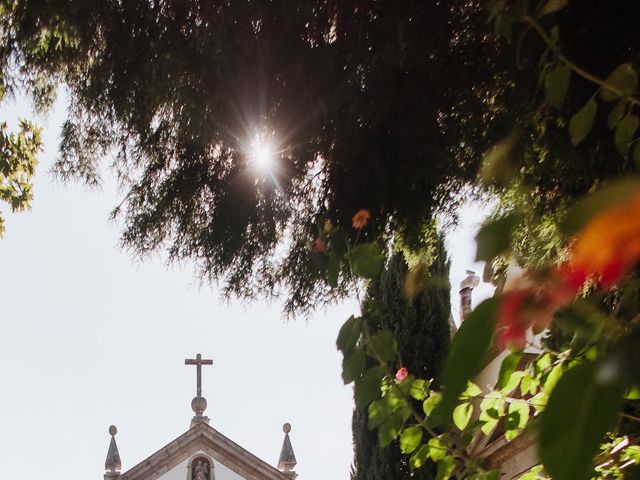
column 467, row 285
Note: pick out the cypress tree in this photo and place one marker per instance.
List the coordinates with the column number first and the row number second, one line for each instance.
column 421, row 328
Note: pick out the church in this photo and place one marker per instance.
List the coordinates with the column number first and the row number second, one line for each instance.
column 202, row 453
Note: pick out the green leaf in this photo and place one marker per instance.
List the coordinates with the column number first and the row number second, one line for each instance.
column 624, row 78
column 389, row 430
column 553, row 6
column 556, row 84
column 517, row 417
column 472, row 390
column 623, row 135
column 419, row 457
column 445, row 468
column 431, row 403
column 528, row 385
column 333, row 270
column 552, row 378
column 383, row 345
column 513, row 382
column 468, row 349
column 353, row 365
column 580, row 411
column 581, row 123
column 378, row 412
column 462, row 414
column 494, row 238
column 507, row 367
column 613, row 193
column 488, row 426
column 532, row 474
column 410, row 439
column 616, row 114
column 366, row 260
column 437, row 448
column 419, row 389
column 349, row 334
column 367, row 388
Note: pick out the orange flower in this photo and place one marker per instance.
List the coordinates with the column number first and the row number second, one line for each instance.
column 531, row 306
column 360, row 219
column 609, row 245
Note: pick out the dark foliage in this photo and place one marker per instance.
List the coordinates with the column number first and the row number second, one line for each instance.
column 421, row 329
column 380, row 105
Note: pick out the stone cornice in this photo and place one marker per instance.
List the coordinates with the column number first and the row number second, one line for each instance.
column 204, row 438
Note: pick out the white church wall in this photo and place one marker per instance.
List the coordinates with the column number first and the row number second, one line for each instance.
column 220, row 472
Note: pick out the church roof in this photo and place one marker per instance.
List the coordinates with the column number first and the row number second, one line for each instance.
column 203, row 437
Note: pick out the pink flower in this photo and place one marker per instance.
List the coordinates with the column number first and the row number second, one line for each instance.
column 320, row 245
column 401, row 374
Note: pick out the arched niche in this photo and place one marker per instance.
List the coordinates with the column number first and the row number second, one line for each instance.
column 200, row 467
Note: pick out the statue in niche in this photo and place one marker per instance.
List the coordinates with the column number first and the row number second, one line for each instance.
column 200, row 469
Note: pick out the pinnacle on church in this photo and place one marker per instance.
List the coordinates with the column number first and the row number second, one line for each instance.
column 112, row 464
column 287, row 458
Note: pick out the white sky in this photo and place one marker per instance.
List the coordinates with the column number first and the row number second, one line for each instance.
column 91, row 338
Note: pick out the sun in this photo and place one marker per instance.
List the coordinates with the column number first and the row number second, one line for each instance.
column 261, row 153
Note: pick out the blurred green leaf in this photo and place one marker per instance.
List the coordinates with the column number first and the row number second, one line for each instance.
column 353, row 365
column 611, row 194
column 552, row 378
column 496, row 166
column 472, row 390
column 419, row 457
column 556, row 84
column 445, row 468
column 616, row 114
column 366, row 260
column 623, row 135
column 367, row 388
column 581, row 123
column 410, row 439
column 636, row 154
column 553, row 6
column 494, row 237
column 624, row 78
column 468, row 350
column 349, row 334
column 579, row 413
column 383, row 345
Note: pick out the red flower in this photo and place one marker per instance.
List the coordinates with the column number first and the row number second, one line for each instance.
column 320, row 245
column 531, row 306
column 360, row 219
column 401, row 374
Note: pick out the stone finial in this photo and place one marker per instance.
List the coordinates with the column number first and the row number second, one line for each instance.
column 112, row 464
column 287, row 458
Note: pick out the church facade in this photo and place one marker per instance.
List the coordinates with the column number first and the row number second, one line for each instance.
column 202, row 453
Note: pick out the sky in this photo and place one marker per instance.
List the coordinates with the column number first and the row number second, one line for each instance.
column 91, row 337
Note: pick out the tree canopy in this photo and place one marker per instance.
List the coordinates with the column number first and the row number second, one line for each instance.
column 375, row 105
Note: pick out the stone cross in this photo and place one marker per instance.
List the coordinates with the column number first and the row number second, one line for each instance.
column 198, row 362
